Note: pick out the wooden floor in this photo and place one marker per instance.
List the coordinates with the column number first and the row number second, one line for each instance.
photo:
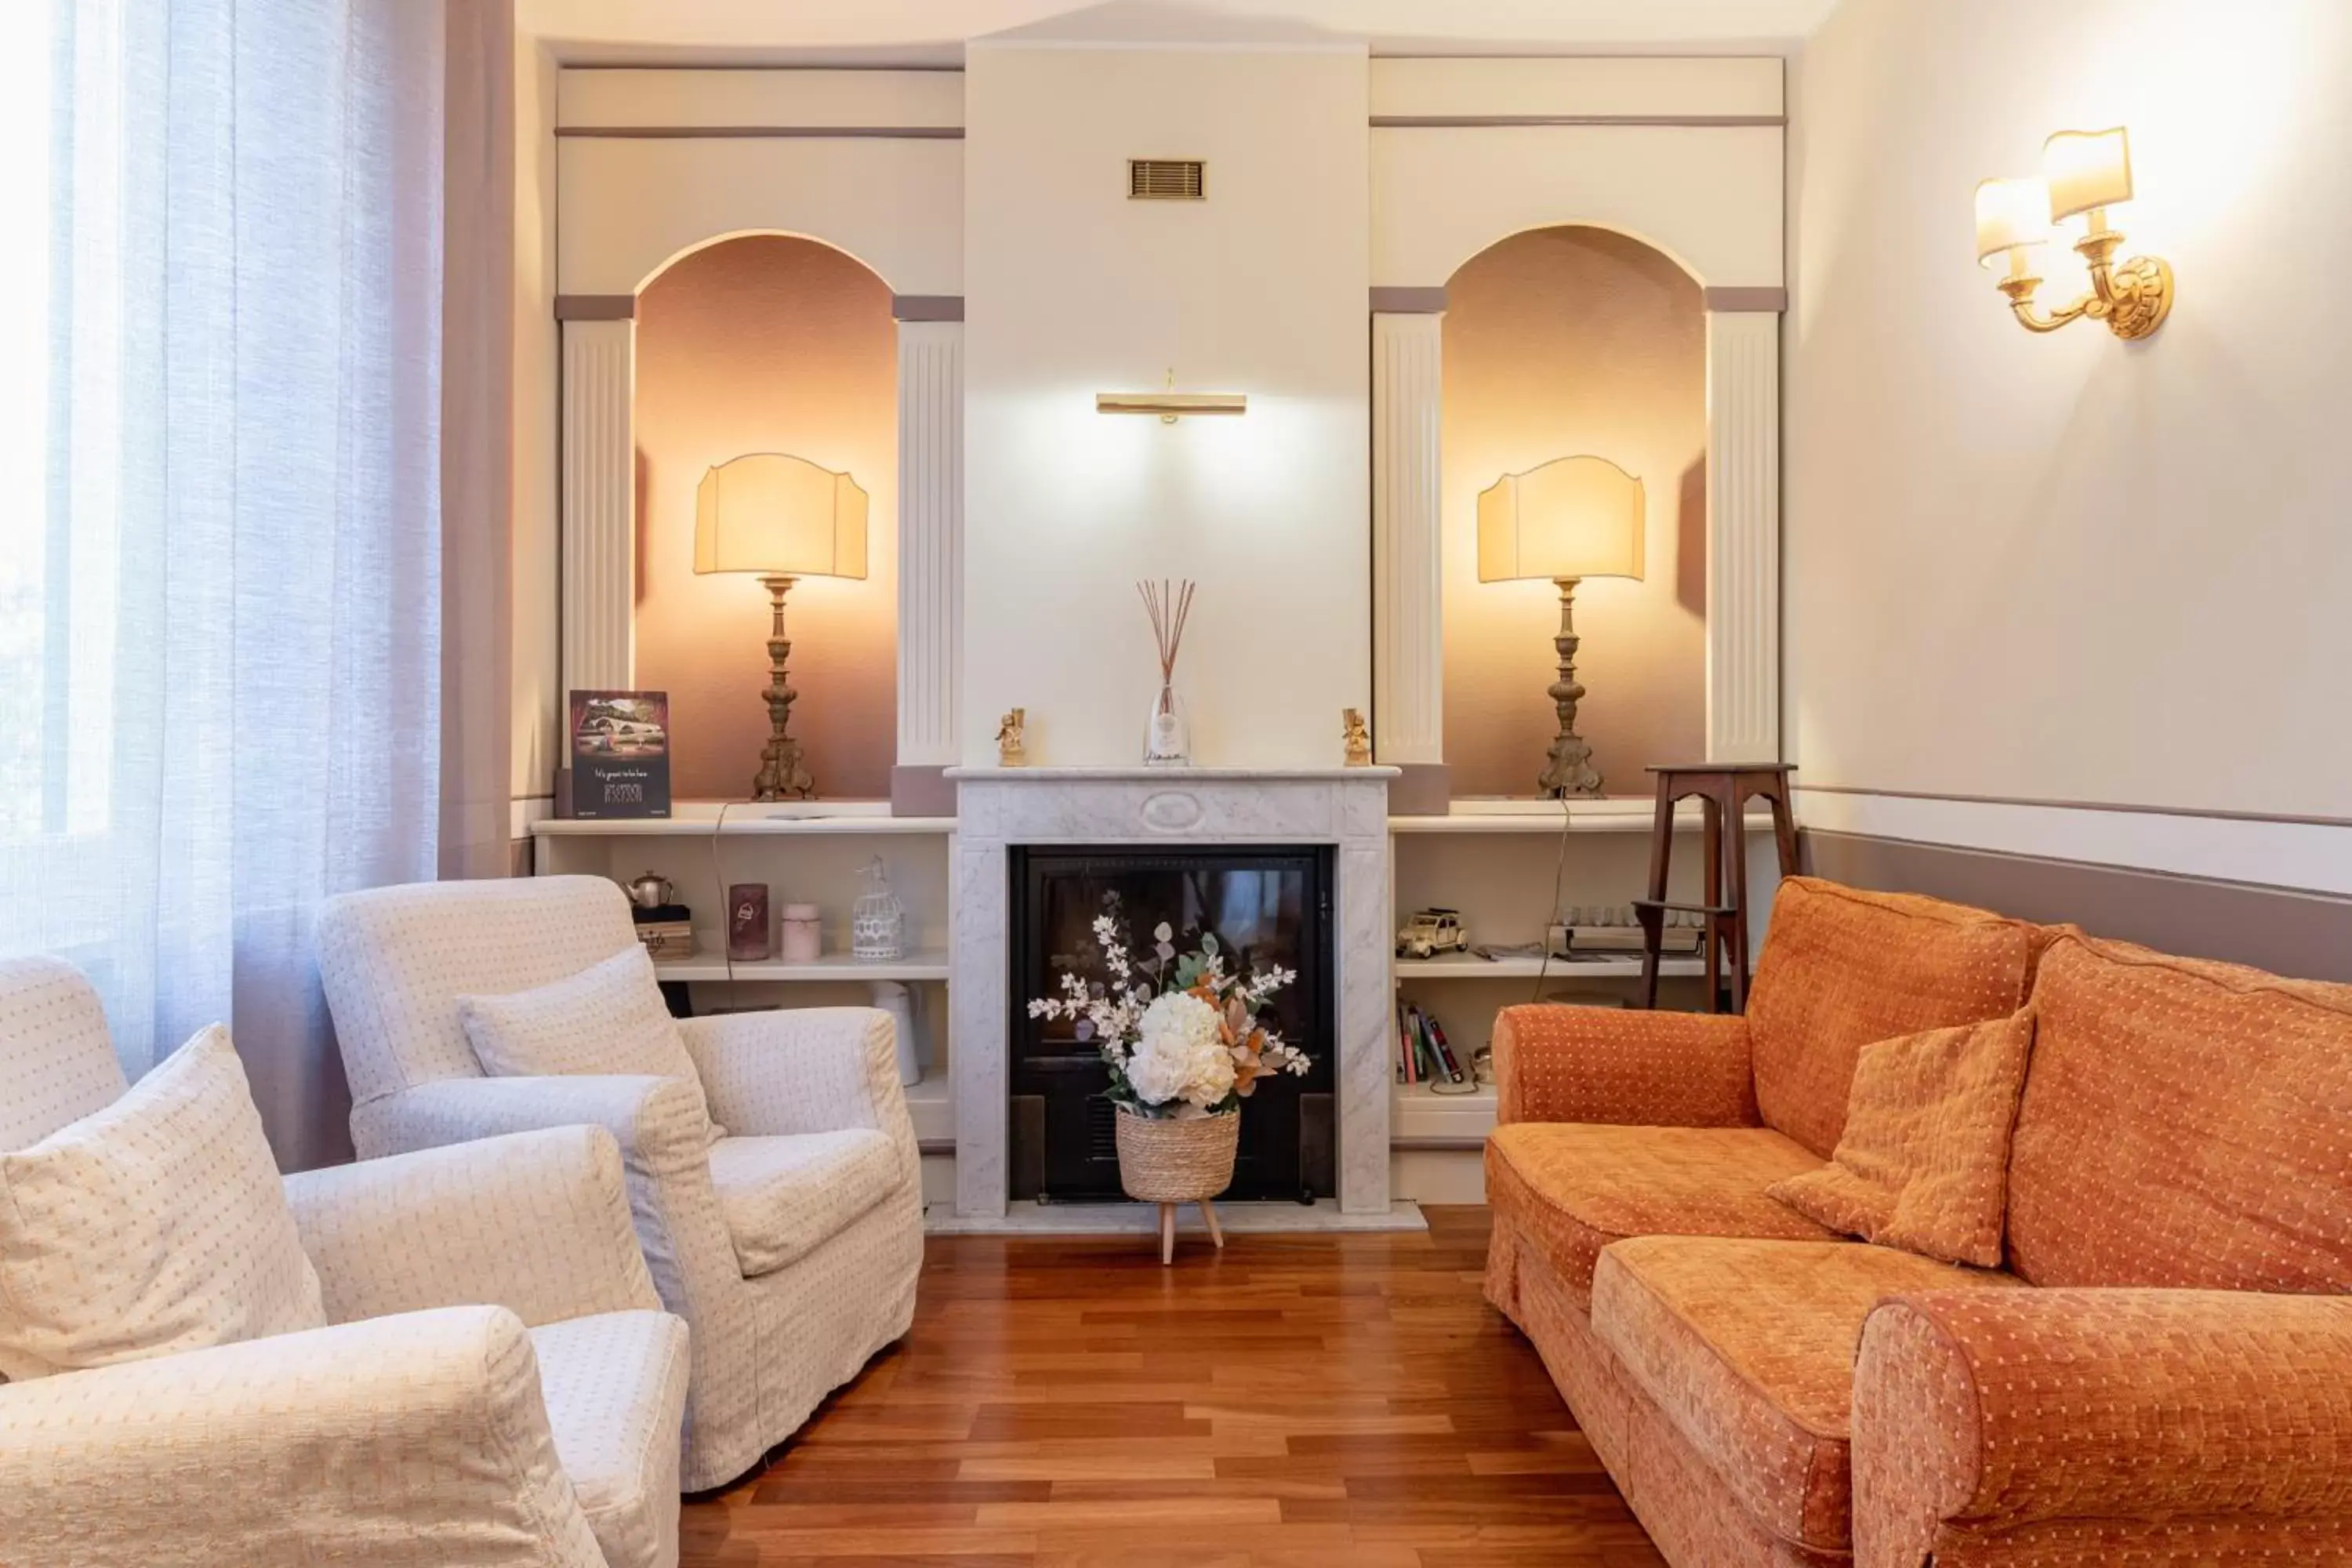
column 1294, row 1401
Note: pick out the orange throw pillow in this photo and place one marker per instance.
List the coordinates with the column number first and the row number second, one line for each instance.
column 1923, row 1164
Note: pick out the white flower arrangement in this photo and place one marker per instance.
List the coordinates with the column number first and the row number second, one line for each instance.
column 1184, row 1041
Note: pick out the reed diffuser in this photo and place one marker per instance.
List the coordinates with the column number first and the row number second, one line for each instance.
column 1167, row 739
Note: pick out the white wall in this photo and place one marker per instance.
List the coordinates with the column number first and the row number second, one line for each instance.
column 1073, row 289
column 2068, row 568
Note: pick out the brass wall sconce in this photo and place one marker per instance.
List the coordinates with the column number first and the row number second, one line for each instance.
column 2084, row 173
column 1171, row 403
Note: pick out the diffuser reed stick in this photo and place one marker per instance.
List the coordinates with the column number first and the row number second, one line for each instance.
column 1168, row 740
column 1168, row 604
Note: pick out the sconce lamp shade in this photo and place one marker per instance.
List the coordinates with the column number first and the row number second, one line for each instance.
column 2011, row 214
column 2086, row 169
column 1573, row 517
column 780, row 517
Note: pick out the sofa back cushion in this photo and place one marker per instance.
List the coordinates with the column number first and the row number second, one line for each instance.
column 1842, row 967
column 2185, row 1123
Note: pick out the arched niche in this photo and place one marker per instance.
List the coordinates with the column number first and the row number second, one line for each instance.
column 765, row 343
column 602, row 525
column 1560, row 340
column 1736, row 263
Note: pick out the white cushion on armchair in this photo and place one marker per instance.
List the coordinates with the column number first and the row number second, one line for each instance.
column 152, row 1225
column 495, row 1385
column 790, row 1249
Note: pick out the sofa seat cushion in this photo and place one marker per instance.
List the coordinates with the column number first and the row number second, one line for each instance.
column 1574, row 1187
column 1747, row 1348
column 615, row 1385
column 784, row 1195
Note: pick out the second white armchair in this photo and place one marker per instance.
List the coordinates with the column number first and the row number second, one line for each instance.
column 791, row 1246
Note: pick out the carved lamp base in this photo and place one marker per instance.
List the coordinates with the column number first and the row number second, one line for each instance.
column 1570, row 771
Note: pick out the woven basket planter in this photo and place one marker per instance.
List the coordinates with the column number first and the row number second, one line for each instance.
column 1167, row 1162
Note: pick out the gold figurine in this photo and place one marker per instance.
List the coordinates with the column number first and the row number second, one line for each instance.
column 1358, row 739
column 1011, row 752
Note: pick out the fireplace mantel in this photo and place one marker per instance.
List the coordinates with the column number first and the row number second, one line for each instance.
column 999, row 807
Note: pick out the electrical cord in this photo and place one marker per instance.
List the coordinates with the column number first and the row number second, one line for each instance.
column 1559, row 876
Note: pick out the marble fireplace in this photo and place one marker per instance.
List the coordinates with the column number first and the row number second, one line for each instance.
column 999, row 810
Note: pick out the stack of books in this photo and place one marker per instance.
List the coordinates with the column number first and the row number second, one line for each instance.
column 1424, row 1053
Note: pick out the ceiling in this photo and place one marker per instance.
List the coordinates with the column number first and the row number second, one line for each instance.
column 934, row 32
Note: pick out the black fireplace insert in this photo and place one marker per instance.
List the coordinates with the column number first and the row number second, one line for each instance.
column 1266, row 907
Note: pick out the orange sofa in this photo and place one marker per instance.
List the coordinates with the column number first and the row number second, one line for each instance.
column 2162, row 1371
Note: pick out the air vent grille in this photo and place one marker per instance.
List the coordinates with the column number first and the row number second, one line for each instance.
column 1165, row 180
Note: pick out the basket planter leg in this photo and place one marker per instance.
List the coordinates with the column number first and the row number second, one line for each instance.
column 1208, row 1212
column 1167, row 1235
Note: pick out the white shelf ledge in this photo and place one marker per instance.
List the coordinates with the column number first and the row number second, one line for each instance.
column 704, row 818
column 1419, row 1117
column 928, row 964
column 1465, row 966
column 1584, row 816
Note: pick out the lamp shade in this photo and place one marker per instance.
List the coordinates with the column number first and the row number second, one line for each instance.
column 1573, row 517
column 780, row 517
column 2086, row 169
column 2011, row 214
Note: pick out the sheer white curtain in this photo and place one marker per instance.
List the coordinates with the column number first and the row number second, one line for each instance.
column 219, row 513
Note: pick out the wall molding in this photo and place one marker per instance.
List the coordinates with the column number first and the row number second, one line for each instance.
column 2303, row 854
column 930, row 542
column 1397, row 299
column 2296, row 931
column 1743, row 538
column 763, row 132
column 1488, row 121
column 598, row 509
column 1407, row 566
column 1775, row 301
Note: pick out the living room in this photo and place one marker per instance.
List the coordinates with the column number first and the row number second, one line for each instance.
column 1174, row 783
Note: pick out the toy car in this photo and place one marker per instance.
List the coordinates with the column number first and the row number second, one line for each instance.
column 1432, row 931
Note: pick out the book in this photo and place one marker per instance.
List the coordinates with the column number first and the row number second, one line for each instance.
column 620, row 754
column 1447, row 1058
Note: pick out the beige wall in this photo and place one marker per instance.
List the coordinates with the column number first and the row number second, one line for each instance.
column 766, row 344
column 1071, row 289
column 2070, row 568
column 1560, row 341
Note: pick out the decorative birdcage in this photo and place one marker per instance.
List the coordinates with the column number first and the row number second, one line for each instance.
column 877, row 922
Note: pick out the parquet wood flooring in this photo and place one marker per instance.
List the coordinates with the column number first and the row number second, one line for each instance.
column 1293, row 1402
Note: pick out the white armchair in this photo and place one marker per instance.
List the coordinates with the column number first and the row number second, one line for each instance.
column 498, row 1386
column 789, row 1246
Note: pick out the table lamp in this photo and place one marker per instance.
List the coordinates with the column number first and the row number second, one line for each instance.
column 1570, row 518
column 784, row 519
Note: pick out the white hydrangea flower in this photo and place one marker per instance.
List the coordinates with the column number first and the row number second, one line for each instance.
column 1180, row 1053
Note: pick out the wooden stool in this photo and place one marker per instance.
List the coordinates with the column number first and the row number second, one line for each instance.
column 1724, row 790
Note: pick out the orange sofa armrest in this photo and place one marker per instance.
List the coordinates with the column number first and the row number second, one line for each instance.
column 1990, row 1409
column 1555, row 1063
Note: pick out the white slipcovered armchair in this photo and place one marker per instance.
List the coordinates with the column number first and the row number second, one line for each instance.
column 499, row 1384
column 789, row 1246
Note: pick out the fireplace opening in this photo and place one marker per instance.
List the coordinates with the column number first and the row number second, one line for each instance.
column 1266, row 907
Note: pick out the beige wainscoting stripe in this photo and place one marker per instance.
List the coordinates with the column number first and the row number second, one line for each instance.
column 1758, row 299
column 595, row 307
column 1391, row 300
column 2213, row 813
